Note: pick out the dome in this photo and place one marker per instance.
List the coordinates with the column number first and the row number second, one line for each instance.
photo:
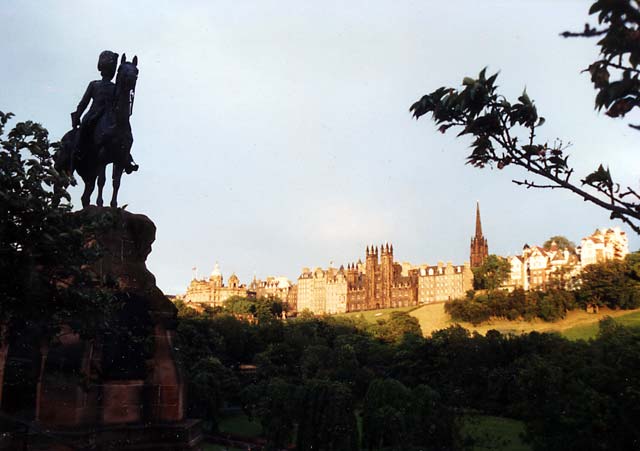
column 216, row 271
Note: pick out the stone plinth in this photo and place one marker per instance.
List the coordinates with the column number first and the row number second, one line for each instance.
column 111, row 392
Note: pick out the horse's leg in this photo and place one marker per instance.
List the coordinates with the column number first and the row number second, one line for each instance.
column 89, row 184
column 101, row 180
column 117, row 175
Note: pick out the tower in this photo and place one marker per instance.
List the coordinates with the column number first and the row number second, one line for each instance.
column 371, row 268
column 386, row 273
column 479, row 245
column 216, row 277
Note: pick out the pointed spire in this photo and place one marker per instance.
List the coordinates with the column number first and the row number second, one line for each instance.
column 478, row 223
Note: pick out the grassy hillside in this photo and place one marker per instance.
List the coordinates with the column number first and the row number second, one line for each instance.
column 586, row 331
column 374, row 315
column 433, row 317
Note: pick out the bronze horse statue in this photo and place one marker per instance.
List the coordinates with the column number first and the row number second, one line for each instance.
column 109, row 142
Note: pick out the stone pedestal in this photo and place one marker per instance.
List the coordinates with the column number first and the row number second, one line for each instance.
column 4, row 349
column 86, row 401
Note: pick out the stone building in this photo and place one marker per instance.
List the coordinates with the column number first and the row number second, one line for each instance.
column 378, row 283
column 538, row 269
column 278, row 287
column 312, row 290
column 292, row 299
column 602, row 245
column 213, row 292
column 479, row 248
column 382, row 283
column 443, row 282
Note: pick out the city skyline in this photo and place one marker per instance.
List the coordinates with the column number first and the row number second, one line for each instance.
column 276, row 135
column 217, row 269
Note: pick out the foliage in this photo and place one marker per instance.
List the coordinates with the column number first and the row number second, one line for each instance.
column 589, row 398
column 561, row 241
column 274, row 403
column 505, row 132
column 550, row 305
column 615, row 74
column 397, row 326
column 326, row 417
column 42, row 245
column 263, row 309
column 486, row 432
column 633, row 260
column 310, row 375
column 611, row 283
column 210, row 384
column 384, row 414
column 492, row 273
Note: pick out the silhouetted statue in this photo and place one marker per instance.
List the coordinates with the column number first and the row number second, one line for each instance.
column 103, row 135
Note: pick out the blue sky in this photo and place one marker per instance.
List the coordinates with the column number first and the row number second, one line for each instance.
column 274, row 135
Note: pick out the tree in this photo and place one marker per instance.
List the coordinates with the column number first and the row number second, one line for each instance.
column 492, row 273
column 264, row 309
column 397, row 326
column 561, row 241
column 505, row 132
column 432, row 424
column 42, row 245
column 384, row 414
column 210, row 384
column 633, row 260
column 274, row 403
column 326, row 417
column 610, row 283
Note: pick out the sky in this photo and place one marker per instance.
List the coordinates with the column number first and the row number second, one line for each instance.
column 276, row 135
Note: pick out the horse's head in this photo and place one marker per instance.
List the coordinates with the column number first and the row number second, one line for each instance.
column 126, row 80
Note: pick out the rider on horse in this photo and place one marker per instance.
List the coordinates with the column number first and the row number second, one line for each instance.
column 101, row 94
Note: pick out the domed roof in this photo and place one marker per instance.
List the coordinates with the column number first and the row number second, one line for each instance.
column 216, row 271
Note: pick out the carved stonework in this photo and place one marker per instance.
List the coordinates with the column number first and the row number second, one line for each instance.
column 100, row 392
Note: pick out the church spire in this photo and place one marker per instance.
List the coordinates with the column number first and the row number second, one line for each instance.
column 478, row 223
column 479, row 246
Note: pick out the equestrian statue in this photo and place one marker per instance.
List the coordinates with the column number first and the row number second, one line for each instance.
column 103, row 135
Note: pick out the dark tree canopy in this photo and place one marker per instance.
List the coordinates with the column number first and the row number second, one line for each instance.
column 42, row 246
column 492, row 273
column 611, row 283
column 505, row 132
column 561, row 241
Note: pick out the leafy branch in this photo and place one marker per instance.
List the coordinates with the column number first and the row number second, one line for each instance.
column 504, row 134
column 615, row 75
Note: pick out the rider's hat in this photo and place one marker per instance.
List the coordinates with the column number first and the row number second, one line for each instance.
column 107, row 62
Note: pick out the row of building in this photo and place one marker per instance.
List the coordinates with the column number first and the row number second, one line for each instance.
column 382, row 282
column 378, row 282
column 540, row 268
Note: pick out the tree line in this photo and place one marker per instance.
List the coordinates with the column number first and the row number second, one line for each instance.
column 614, row 284
column 312, row 379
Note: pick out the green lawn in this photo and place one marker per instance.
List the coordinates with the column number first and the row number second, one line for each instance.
column 587, row 331
column 374, row 315
column 240, row 426
column 494, row 433
column 214, row 447
column 487, row 432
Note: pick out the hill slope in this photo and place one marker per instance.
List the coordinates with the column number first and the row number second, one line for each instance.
column 433, row 317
